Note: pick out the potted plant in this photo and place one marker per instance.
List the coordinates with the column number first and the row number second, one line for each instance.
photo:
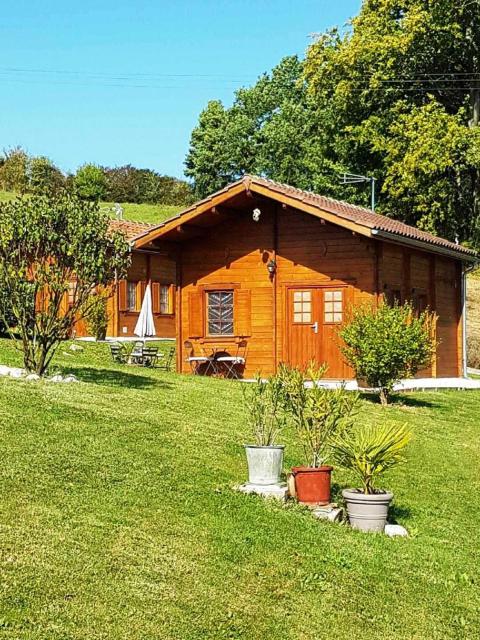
column 369, row 451
column 317, row 414
column 263, row 401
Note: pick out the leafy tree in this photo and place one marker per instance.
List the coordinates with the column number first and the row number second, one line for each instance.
column 396, row 96
column 53, row 253
column 129, row 184
column 387, row 343
column 208, row 162
column 44, row 176
column 13, row 171
column 404, row 70
column 90, row 182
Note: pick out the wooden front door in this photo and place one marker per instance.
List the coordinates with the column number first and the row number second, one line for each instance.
column 314, row 316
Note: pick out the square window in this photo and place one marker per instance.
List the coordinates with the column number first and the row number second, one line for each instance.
column 328, row 296
column 337, row 295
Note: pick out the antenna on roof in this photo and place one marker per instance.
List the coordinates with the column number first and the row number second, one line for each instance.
column 353, row 178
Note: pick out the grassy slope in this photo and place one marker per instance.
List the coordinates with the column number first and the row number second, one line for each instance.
column 131, row 211
column 118, row 519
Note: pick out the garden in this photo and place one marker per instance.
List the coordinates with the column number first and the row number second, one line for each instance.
column 119, row 517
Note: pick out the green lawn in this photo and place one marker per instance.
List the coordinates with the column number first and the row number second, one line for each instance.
column 131, row 211
column 118, row 519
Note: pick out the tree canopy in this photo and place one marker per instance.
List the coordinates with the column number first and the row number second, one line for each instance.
column 395, row 96
column 53, row 253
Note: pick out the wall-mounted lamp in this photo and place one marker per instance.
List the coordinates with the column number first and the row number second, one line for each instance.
column 272, row 267
column 256, row 215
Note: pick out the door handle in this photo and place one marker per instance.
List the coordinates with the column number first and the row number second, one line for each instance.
column 315, row 327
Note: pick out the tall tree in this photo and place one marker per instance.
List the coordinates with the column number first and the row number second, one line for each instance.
column 44, row 176
column 53, row 253
column 406, row 69
column 13, row 170
column 90, row 182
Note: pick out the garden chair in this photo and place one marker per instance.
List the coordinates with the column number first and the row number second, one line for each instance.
column 118, row 353
column 136, row 352
column 166, row 361
column 232, row 364
column 149, row 357
column 196, row 362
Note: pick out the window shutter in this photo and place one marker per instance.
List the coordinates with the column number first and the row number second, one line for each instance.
column 122, row 295
column 242, row 312
column 156, row 297
column 195, row 314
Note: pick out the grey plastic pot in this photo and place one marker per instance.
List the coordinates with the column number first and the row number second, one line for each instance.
column 367, row 512
column 264, row 464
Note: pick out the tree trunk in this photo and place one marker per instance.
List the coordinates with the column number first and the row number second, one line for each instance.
column 384, row 396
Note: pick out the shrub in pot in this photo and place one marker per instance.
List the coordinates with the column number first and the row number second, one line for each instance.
column 369, row 451
column 263, row 401
column 317, row 414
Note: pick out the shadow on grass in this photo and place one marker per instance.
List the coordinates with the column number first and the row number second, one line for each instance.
column 115, row 378
column 399, row 399
column 397, row 511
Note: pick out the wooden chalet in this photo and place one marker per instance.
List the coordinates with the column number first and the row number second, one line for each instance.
column 277, row 268
column 148, row 266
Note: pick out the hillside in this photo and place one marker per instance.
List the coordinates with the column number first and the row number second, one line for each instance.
column 131, row 211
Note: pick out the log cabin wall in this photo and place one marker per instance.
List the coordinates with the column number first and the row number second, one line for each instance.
column 160, row 269
column 308, row 254
column 429, row 280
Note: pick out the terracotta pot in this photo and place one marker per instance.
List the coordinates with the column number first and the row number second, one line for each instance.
column 312, row 485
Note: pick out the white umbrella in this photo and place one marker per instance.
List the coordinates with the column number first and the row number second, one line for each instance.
column 145, row 325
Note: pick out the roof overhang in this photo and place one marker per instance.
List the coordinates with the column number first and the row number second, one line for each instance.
column 296, row 200
column 425, row 246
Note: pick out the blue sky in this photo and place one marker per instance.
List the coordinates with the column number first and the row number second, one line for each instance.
column 124, row 82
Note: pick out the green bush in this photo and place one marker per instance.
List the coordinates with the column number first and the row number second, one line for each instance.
column 97, row 315
column 370, row 451
column 387, row 343
column 318, row 414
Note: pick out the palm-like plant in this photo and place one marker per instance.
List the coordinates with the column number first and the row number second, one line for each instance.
column 370, row 451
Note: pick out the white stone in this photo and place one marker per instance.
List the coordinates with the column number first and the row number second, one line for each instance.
column 75, row 347
column 32, row 377
column 70, row 378
column 328, row 512
column 17, row 373
column 278, row 491
column 56, row 378
column 4, row 370
column 394, row 530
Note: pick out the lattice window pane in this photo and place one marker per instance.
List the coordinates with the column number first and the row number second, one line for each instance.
column 220, row 312
column 333, row 307
column 132, row 296
column 302, row 307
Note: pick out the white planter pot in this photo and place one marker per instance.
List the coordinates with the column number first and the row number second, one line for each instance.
column 367, row 512
column 264, row 464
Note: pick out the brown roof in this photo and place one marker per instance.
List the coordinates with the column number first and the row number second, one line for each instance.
column 342, row 213
column 130, row 228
